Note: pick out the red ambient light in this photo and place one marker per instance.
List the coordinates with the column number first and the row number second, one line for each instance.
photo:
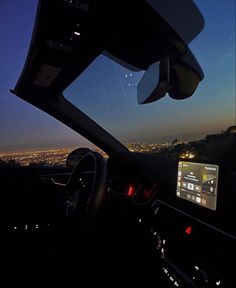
column 147, row 194
column 188, row 230
column 131, row 191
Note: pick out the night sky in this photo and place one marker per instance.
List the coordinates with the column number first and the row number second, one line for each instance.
column 111, row 100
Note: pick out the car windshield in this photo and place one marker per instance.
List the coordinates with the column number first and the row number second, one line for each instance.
column 107, row 92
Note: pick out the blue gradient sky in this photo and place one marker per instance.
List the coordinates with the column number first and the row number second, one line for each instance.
column 111, row 99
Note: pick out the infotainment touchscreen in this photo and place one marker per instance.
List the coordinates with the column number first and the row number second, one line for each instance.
column 197, row 182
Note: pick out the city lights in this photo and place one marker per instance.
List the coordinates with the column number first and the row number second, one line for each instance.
column 187, row 155
column 57, row 157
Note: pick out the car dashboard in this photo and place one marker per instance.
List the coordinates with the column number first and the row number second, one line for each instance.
column 193, row 240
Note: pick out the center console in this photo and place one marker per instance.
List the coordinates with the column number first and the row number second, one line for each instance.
column 192, row 253
column 186, row 231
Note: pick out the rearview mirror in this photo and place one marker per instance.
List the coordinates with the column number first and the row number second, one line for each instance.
column 155, row 82
column 185, row 76
column 178, row 78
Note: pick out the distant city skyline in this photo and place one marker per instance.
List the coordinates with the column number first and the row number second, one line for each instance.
column 129, row 144
column 210, row 110
column 219, row 146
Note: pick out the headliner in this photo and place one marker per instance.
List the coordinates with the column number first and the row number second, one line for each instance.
column 69, row 35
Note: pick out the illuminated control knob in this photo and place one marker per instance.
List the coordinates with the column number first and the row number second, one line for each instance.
column 158, row 242
column 157, row 239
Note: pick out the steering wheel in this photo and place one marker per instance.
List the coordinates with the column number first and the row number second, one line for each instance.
column 87, row 202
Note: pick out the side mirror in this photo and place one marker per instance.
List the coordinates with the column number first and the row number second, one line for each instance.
column 178, row 78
